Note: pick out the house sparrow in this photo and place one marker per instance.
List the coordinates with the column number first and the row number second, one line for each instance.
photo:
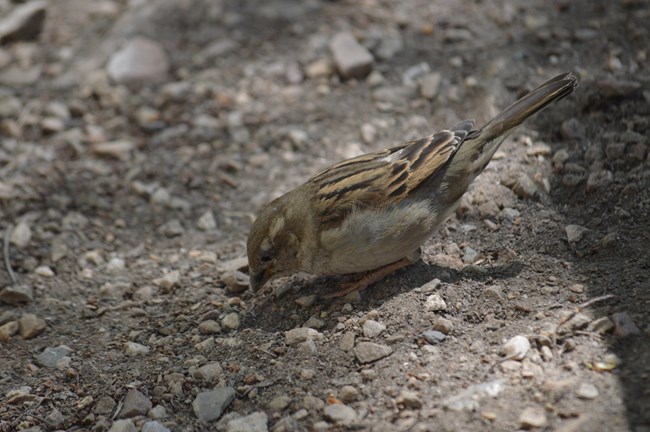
column 372, row 213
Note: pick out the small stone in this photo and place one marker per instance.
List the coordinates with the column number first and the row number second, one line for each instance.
column 577, row 288
column 31, row 326
column 255, row 422
column 209, row 372
column 307, row 374
column 105, row 405
column 207, row 222
column 231, row 321
column 153, row 426
column 301, row 334
column 615, row 150
column 587, row 391
column 521, row 184
column 135, row 403
column 517, row 347
column 321, row 68
column 433, row 337
column 209, row 327
column 578, row 322
column 432, row 285
column 575, row 233
column 470, row 256
column 368, row 133
column 532, row 417
column 368, row 352
column 168, row 281
column 24, row 23
column 372, row 328
column 15, row 294
column 8, row 330
column 560, row 157
column 21, row 235
column 51, row 357
column 539, row 149
column 599, row 180
column 348, row 394
column 235, row 281
column 115, row 265
column 279, row 403
column 494, row 291
column 340, row 414
column 52, row 125
column 430, row 85
column 572, row 129
column 624, row 325
column 206, row 345
column 347, row 341
column 601, row 325
column 43, row 271
column 209, row 406
column 312, row 403
column 120, row 149
column 135, row 349
column 141, row 60
column 409, row 400
column 443, row 325
column 352, row 60
column 614, row 88
column 123, row 426
column 435, row 303
column 306, row 301
column 55, row 419
column 157, row 412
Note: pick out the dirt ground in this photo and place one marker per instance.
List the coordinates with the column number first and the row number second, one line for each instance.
column 128, row 267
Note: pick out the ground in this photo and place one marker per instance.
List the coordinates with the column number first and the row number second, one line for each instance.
column 138, row 243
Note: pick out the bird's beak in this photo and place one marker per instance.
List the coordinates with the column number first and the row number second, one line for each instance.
column 259, row 278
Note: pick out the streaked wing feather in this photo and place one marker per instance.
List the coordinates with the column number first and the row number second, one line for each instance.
column 385, row 177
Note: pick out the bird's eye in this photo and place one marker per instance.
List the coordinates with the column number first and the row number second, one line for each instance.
column 265, row 257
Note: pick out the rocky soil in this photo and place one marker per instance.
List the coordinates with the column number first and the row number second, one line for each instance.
column 138, row 139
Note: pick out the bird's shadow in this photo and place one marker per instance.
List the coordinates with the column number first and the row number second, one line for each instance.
column 303, row 300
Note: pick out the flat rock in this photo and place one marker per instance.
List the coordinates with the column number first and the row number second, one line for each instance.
column 300, row 334
column 352, row 60
column 24, row 23
column 255, row 422
column 372, row 328
column 368, row 352
column 340, row 414
column 51, row 357
column 140, row 61
column 16, row 293
column 135, row 403
column 209, row 406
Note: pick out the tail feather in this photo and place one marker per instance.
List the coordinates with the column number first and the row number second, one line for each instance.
column 480, row 145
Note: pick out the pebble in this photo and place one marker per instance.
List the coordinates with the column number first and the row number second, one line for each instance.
column 255, row 422
column 301, row 334
column 517, row 347
column 157, row 412
column 372, row 328
column 51, row 357
column 23, row 23
column 572, row 129
column 17, row 293
column 209, row 372
column 209, row 406
column 347, row 394
column 443, row 325
column 231, row 321
column 115, row 265
column 153, row 426
column 135, row 403
column 235, row 281
column 532, row 417
column 575, row 233
column 433, row 337
column 104, row 406
column 207, row 222
column 320, row 68
column 409, row 400
column 430, row 85
column 141, row 60
column 587, row 391
column 521, row 184
column 346, row 343
column 432, row 285
column 123, row 426
column 352, row 60
column 31, row 326
column 306, row 301
column 494, row 292
column 279, row 403
column 368, row 133
column 209, row 327
column 601, row 325
column 21, row 235
column 435, row 303
column 168, row 281
column 55, row 419
column 340, row 414
column 120, row 149
column 577, row 288
column 624, row 325
column 135, row 349
column 614, row 88
column 7, row 330
column 368, row 352
column 470, row 256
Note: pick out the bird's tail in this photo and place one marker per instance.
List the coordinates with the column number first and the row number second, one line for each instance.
column 480, row 145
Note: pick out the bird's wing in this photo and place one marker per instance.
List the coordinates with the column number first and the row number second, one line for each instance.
column 383, row 178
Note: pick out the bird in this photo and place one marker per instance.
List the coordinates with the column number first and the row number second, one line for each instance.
column 369, row 215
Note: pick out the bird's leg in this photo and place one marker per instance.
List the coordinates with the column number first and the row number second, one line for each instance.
column 374, row 276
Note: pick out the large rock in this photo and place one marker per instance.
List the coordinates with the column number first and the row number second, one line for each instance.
column 140, row 61
column 24, row 23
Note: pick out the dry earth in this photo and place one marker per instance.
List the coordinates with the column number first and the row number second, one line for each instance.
column 130, row 205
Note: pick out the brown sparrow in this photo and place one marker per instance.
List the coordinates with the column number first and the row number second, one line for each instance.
column 372, row 213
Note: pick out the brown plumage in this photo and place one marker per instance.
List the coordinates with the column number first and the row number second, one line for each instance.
column 373, row 212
